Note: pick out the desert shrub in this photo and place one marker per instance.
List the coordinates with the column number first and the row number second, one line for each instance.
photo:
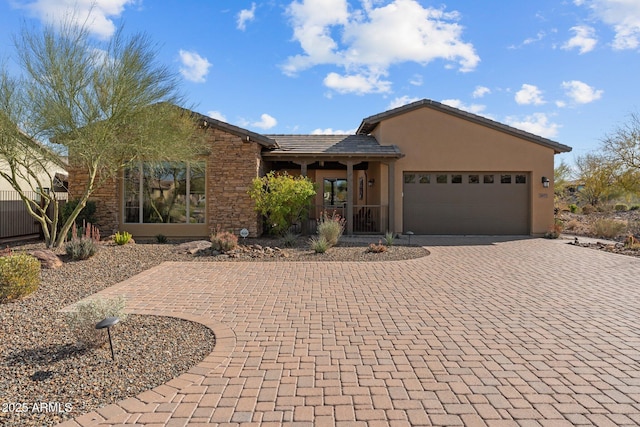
column 86, row 215
column 223, row 241
column 331, row 227
column 588, row 209
column 289, row 239
column 631, row 242
column 319, row 244
column 558, row 227
column 122, row 238
column 81, row 248
column 388, row 238
column 572, row 225
column 282, row 199
column 161, row 238
column 621, row 207
column 377, row 248
column 573, row 208
column 19, row 276
column 82, row 321
column 634, row 207
column 608, row 228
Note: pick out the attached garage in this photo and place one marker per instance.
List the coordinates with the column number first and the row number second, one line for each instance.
column 466, row 202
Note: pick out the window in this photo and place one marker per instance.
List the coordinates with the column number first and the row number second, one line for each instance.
column 409, row 178
column 165, row 192
column 335, row 192
column 424, row 178
column 441, row 179
column 456, row 179
column 488, row 179
column 521, row 179
column 505, row 179
column 474, row 179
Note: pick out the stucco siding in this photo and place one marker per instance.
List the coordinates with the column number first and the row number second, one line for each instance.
column 436, row 141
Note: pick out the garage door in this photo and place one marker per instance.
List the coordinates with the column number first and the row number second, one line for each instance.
column 466, row 203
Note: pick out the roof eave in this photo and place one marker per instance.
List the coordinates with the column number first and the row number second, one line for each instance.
column 370, row 123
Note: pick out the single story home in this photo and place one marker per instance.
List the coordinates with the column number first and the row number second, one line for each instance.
column 424, row 167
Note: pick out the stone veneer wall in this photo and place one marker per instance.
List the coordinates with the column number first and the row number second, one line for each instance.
column 106, row 197
column 231, row 167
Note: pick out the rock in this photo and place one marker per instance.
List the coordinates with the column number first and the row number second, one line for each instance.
column 192, row 247
column 47, row 258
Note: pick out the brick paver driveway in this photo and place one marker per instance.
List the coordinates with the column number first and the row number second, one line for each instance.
column 517, row 332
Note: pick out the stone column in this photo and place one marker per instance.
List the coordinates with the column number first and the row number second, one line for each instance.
column 350, row 197
column 392, row 196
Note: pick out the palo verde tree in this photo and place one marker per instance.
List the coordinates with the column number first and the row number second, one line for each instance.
column 105, row 104
column 282, row 199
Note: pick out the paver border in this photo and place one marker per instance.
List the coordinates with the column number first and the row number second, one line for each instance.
column 224, row 347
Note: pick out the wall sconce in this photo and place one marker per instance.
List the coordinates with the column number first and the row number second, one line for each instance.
column 371, row 182
column 545, row 182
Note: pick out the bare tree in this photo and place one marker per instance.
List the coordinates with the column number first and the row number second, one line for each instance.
column 598, row 176
column 105, row 104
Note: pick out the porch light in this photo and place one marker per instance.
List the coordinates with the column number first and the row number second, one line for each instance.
column 545, row 182
column 371, row 182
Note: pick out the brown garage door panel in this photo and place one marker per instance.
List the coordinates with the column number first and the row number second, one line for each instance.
column 466, row 208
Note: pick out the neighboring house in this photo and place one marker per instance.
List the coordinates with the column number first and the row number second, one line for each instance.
column 424, row 167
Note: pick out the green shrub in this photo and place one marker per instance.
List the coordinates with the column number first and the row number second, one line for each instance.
column 608, row 228
column 87, row 214
column 81, row 248
column 19, row 276
column 573, row 208
column 122, row 238
column 634, row 207
column 621, row 207
column 161, row 238
column 319, row 244
column 82, row 321
column 331, row 227
column 289, row 239
column 282, row 199
column 224, row 241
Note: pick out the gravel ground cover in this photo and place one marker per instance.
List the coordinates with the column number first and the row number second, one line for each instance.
column 47, row 377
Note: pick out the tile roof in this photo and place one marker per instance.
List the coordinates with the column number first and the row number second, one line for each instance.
column 370, row 123
column 330, row 146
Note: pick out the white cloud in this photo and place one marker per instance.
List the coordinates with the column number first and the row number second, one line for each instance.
column 529, row 94
column 584, row 39
column 246, row 15
column 416, row 80
column 399, row 102
column 217, row 115
column 580, row 92
column 330, row 131
column 368, row 41
column 96, row 15
column 359, row 84
column 194, row 67
column 537, row 124
column 456, row 103
column 622, row 15
column 481, row 91
column 266, row 122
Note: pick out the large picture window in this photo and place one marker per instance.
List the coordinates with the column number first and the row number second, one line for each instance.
column 165, row 192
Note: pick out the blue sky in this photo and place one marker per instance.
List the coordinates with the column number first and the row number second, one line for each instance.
column 565, row 70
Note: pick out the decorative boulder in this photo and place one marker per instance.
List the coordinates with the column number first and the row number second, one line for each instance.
column 193, row 247
column 47, row 258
